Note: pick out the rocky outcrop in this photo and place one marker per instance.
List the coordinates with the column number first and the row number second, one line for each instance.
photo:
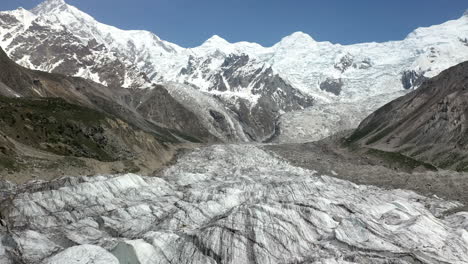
column 412, row 79
column 231, row 204
column 333, row 86
column 464, row 41
column 429, row 124
column 344, row 63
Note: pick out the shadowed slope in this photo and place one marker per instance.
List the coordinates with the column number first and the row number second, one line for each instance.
column 429, row 124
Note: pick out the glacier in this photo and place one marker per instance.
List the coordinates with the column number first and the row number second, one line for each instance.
column 236, row 203
column 227, row 204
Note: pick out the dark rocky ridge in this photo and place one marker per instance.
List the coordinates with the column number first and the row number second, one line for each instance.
column 412, row 79
column 333, row 86
column 429, row 124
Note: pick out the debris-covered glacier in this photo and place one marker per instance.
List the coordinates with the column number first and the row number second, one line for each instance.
column 227, row 204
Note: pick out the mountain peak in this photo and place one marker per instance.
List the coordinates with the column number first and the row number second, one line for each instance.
column 299, row 35
column 215, row 42
column 215, row 39
column 296, row 39
column 49, row 6
column 465, row 14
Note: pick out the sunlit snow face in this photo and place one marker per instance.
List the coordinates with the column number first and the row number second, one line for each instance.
column 297, row 58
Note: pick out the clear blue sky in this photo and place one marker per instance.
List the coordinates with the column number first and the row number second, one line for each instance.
column 190, row 22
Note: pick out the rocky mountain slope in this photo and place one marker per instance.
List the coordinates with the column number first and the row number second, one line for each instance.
column 51, row 125
column 18, row 82
column 49, row 138
column 250, row 80
column 429, row 124
column 243, row 206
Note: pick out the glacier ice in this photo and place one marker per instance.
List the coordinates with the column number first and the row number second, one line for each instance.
column 83, row 254
column 234, row 204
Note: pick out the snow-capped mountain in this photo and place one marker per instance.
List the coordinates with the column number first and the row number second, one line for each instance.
column 295, row 73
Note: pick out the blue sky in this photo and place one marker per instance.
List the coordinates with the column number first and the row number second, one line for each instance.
column 190, row 22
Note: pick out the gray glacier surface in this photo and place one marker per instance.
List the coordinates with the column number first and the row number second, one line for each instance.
column 226, row 204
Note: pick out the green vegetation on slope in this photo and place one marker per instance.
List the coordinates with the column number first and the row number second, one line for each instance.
column 53, row 125
column 399, row 159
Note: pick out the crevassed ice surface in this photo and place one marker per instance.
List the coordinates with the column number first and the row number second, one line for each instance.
column 232, row 204
column 323, row 120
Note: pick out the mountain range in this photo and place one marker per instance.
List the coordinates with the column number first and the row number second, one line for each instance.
column 253, row 85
